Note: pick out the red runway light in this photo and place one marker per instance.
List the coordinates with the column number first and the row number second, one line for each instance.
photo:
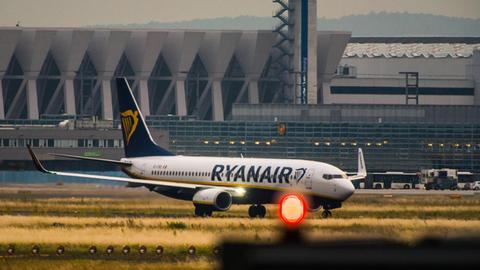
column 292, row 209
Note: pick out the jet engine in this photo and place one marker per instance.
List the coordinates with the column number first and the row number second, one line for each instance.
column 219, row 199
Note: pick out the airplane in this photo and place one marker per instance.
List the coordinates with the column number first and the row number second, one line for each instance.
column 215, row 183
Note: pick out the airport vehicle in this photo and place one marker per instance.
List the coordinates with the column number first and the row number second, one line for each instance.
column 440, row 179
column 475, row 185
column 215, row 183
column 395, row 180
column 465, row 180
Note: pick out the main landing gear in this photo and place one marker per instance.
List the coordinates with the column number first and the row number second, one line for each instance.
column 326, row 214
column 203, row 211
column 257, row 210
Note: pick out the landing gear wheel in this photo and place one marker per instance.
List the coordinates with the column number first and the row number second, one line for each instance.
column 257, row 210
column 326, row 214
column 201, row 211
column 261, row 211
column 252, row 211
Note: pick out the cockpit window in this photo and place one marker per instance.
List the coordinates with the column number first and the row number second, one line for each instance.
column 333, row 176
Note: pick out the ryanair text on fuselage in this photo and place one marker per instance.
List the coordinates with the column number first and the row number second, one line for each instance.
column 257, row 174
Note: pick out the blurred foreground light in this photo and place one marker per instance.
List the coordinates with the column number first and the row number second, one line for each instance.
column 242, row 142
column 217, row 251
column 205, row 142
column 11, row 250
column 159, row 250
column 191, row 250
column 292, row 209
column 92, row 250
column 125, row 250
column 316, row 143
column 109, row 250
column 142, row 250
column 35, row 250
column 60, row 250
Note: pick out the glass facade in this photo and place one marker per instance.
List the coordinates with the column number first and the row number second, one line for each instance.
column 406, row 147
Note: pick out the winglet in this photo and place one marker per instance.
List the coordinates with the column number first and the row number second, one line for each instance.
column 35, row 160
column 362, row 169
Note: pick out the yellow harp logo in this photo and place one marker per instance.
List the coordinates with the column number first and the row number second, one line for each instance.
column 129, row 123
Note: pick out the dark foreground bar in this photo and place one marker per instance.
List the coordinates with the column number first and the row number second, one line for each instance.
column 355, row 254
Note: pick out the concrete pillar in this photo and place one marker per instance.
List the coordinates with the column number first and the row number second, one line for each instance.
column 143, row 96
column 325, row 89
column 2, row 107
column 180, row 97
column 107, row 107
column 252, row 52
column 330, row 48
column 253, row 95
column 7, row 47
column 69, row 96
column 179, row 51
column 68, row 50
column 312, row 53
column 476, row 75
column 142, row 51
column 31, row 51
column 32, row 99
column 217, row 101
column 105, row 50
column 304, row 31
column 216, row 53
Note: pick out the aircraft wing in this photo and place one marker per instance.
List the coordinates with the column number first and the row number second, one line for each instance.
column 117, row 162
column 236, row 192
column 362, row 170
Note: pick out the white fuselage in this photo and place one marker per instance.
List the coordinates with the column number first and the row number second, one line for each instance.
column 282, row 175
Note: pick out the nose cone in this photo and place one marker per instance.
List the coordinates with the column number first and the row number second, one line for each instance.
column 345, row 189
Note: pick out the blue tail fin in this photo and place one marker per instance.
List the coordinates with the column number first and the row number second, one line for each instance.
column 137, row 140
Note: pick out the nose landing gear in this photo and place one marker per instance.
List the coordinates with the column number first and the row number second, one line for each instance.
column 326, row 214
column 203, row 211
column 257, row 210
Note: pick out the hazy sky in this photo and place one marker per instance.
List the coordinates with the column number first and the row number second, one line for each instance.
column 90, row 12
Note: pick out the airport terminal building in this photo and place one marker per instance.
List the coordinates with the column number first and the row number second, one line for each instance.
column 410, row 103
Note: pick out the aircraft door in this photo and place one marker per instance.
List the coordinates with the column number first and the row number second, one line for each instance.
column 308, row 178
column 304, row 177
column 143, row 168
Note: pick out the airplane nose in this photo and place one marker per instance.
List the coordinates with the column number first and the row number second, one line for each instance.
column 345, row 189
